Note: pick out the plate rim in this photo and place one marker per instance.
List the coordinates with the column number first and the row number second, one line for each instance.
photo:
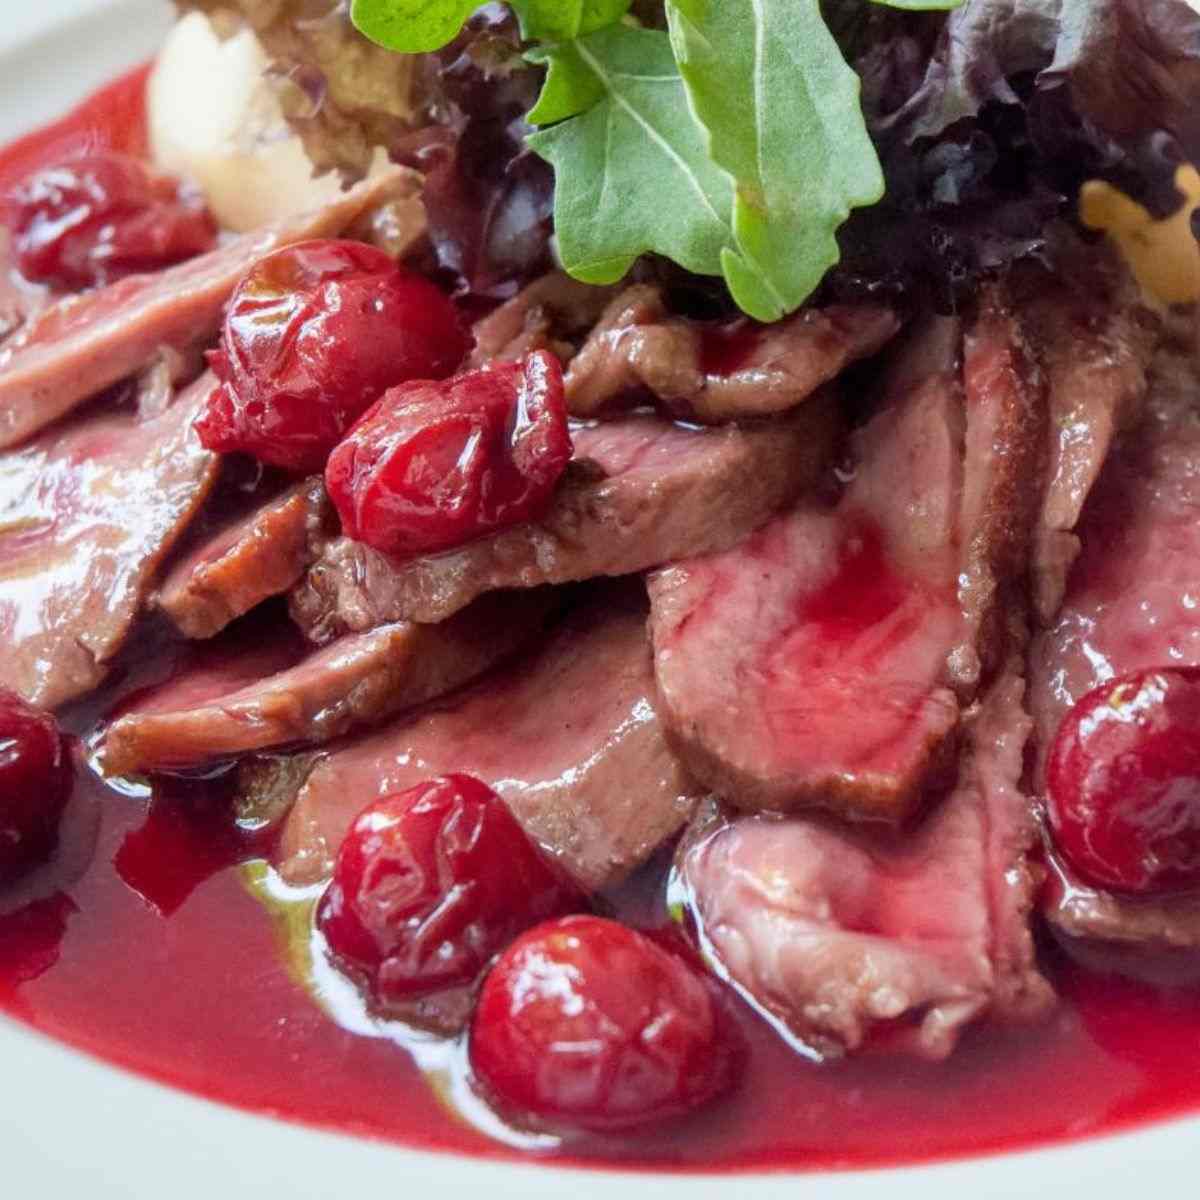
column 207, row 1148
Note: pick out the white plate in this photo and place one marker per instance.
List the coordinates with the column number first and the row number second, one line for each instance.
column 73, row 1127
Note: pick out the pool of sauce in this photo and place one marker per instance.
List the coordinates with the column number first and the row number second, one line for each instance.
column 159, row 958
column 144, row 945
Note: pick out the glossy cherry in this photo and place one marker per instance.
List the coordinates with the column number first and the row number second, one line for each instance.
column 584, row 1022
column 35, row 782
column 314, row 335
column 95, row 219
column 1123, row 783
column 430, row 884
column 433, row 466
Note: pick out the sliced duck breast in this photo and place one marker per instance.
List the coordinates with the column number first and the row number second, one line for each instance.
column 712, row 373
column 552, row 313
column 255, row 557
column 1132, row 603
column 807, row 666
column 78, row 346
column 1138, row 928
column 842, row 935
column 357, row 682
column 858, row 625
column 88, row 512
column 805, row 669
column 1132, row 599
column 641, row 491
column 1006, row 421
column 569, row 737
column 1095, row 343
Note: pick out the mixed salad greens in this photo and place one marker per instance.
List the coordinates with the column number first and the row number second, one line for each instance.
column 756, row 143
column 733, row 142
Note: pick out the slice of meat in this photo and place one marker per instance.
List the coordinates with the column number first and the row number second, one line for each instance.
column 854, row 624
column 358, row 681
column 807, row 666
column 87, row 513
column 634, row 349
column 909, row 457
column 804, row 669
column 708, row 374
column 1141, row 928
column 195, row 674
column 157, row 383
column 570, row 739
column 252, row 559
column 1005, row 433
column 1095, row 344
column 641, row 492
column 837, row 935
column 552, row 313
column 1133, row 603
column 83, row 344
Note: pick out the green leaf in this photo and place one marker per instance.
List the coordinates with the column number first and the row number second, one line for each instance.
column 782, row 112
column 571, row 86
column 560, row 20
column 414, row 26
column 411, row 26
column 633, row 172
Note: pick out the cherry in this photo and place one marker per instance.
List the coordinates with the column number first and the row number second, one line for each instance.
column 430, row 884
column 435, row 465
column 586, row 1023
column 35, row 782
column 92, row 220
column 315, row 333
column 1123, row 783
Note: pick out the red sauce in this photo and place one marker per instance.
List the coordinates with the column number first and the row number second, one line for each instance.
column 113, row 119
column 202, row 999
column 159, row 959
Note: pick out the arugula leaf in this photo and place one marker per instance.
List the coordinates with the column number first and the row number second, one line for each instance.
column 782, row 112
column 633, row 172
column 736, row 145
column 560, row 20
column 571, row 86
column 415, row 26
column 411, row 26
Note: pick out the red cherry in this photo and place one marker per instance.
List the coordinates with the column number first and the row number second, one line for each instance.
column 96, row 219
column 430, row 884
column 584, row 1022
column 1123, row 783
column 35, row 782
column 435, row 465
column 314, row 335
